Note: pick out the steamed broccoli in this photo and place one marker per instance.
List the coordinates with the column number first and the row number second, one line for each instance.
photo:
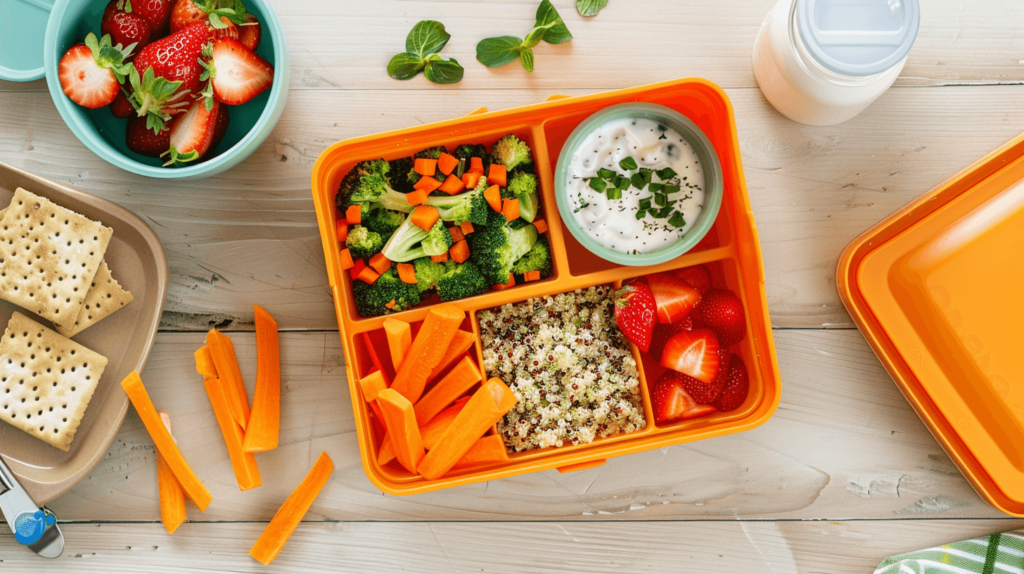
column 363, row 243
column 351, row 181
column 367, row 183
column 461, row 281
column 523, row 186
column 511, row 152
column 428, row 273
column 383, row 222
column 430, row 153
column 497, row 246
column 470, row 206
column 410, row 242
column 372, row 300
column 538, row 258
column 399, row 176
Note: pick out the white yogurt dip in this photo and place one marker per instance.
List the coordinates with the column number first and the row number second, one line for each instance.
column 613, row 222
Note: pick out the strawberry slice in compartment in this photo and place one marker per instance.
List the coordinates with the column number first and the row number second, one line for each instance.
column 693, row 353
column 737, row 386
column 670, row 401
column 193, row 132
column 663, row 333
column 91, row 73
column 237, row 74
column 674, row 297
column 697, row 277
column 635, row 313
column 722, row 312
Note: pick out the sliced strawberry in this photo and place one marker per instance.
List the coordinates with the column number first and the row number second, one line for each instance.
column 737, row 386
column 125, row 28
column 697, row 277
column 635, row 313
column 662, row 333
column 144, row 141
column 91, row 73
column 221, row 128
column 671, row 402
column 722, row 312
column 121, row 107
column 156, row 12
column 674, row 297
column 192, row 132
column 249, row 34
column 238, row 75
column 693, row 353
column 706, row 393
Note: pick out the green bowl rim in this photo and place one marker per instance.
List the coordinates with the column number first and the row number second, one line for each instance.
column 228, row 158
column 713, row 185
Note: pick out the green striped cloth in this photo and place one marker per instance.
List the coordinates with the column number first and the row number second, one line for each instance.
column 996, row 554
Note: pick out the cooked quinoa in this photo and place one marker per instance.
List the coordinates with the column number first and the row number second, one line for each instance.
column 568, row 365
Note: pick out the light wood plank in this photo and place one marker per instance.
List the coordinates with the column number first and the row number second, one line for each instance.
column 843, row 444
column 449, row 548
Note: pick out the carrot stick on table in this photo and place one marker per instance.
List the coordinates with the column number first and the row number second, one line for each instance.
column 265, row 418
column 193, row 487
column 430, row 433
column 461, row 343
column 486, row 408
column 399, row 335
column 172, row 496
column 427, row 350
column 291, row 512
column 204, row 363
column 223, row 352
column 487, row 450
column 247, row 474
column 452, row 386
column 402, row 428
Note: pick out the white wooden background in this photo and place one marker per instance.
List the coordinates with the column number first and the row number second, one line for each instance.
column 843, row 475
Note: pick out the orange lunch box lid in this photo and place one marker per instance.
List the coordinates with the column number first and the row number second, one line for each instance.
column 938, row 291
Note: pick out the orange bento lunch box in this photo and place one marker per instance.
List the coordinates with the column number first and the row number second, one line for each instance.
column 731, row 251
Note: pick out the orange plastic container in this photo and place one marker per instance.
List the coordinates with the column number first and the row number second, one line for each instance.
column 731, row 251
column 938, row 291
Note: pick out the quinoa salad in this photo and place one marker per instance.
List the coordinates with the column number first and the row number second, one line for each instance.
column 569, row 366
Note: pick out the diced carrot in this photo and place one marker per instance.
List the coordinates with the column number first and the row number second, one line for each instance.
column 172, row 496
column 457, row 234
column 439, row 258
column 400, row 419
column 354, row 214
column 511, row 283
column 417, row 197
column 487, row 450
column 511, row 209
column 498, row 175
column 391, row 304
column 541, row 225
column 342, row 228
column 399, row 335
column 427, row 350
column 455, row 384
column 427, row 184
column 291, row 512
column 461, row 343
column 357, row 268
column 491, row 402
column 165, row 445
column 470, row 179
column 204, row 363
column 425, row 166
column 476, row 165
column 493, row 196
column 346, row 260
column 460, row 251
column 368, row 275
column 265, row 417
column 223, row 351
column 247, row 474
column 447, row 163
column 374, row 359
column 430, row 432
column 452, row 185
column 372, row 385
column 532, row 276
column 424, row 217
column 467, row 227
column 380, row 263
column 407, row 273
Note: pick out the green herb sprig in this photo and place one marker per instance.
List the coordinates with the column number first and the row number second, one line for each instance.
column 502, row 50
column 657, row 205
column 426, row 39
column 590, row 7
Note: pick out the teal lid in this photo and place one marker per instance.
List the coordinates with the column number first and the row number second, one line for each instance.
column 858, row 37
column 22, row 29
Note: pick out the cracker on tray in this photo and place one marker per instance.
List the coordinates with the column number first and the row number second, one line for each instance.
column 48, row 256
column 104, row 297
column 46, row 381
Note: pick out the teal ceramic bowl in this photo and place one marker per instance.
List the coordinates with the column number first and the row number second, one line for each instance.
column 705, row 154
column 71, row 20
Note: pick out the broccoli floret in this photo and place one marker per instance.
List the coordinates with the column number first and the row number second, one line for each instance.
column 370, row 186
column 461, row 281
column 383, row 222
column 497, row 246
column 410, row 242
column 523, row 186
column 470, row 206
column 430, row 153
column 467, row 152
column 363, row 243
column 351, row 182
column 511, row 152
column 399, row 176
column 428, row 273
column 538, row 258
column 372, row 300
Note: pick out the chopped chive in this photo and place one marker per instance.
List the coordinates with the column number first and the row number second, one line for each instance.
column 656, row 187
column 647, row 173
column 638, row 181
column 641, row 213
column 621, row 182
column 645, row 204
column 677, row 220
column 667, row 173
column 606, row 174
column 614, row 193
column 598, row 184
column 661, row 200
column 628, row 164
column 672, row 188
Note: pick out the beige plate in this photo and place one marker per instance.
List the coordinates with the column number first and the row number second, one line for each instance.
column 137, row 260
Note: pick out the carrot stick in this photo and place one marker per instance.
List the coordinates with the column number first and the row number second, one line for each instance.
column 399, row 339
column 193, row 487
column 291, row 512
column 430, row 433
column 265, row 418
column 172, row 496
column 346, row 259
column 342, row 229
column 247, row 474
column 400, row 419
column 374, row 359
column 454, row 385
column 487, row 450
column 223, row 352
column 427, row 350
column 204, row 363
column 486, row 408
column 493, row 196
column 461, row 343
column 371, row 385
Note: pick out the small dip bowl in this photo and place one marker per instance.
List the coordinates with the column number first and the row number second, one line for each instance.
column 705, row 154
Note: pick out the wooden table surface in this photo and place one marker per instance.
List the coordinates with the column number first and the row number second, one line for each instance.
column 842, row 476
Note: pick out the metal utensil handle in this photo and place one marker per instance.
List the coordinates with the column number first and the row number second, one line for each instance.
column 33, row 526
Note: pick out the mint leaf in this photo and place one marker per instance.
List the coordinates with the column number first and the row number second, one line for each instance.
column 427, row 37
column 444, row 72
column 534, row 37
column 590, row 7
column 405, row 66
column 547, row 17
column 496, row 52
column 666, row 174
column 422, row 45
column 677, row 220
column 526, row 57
